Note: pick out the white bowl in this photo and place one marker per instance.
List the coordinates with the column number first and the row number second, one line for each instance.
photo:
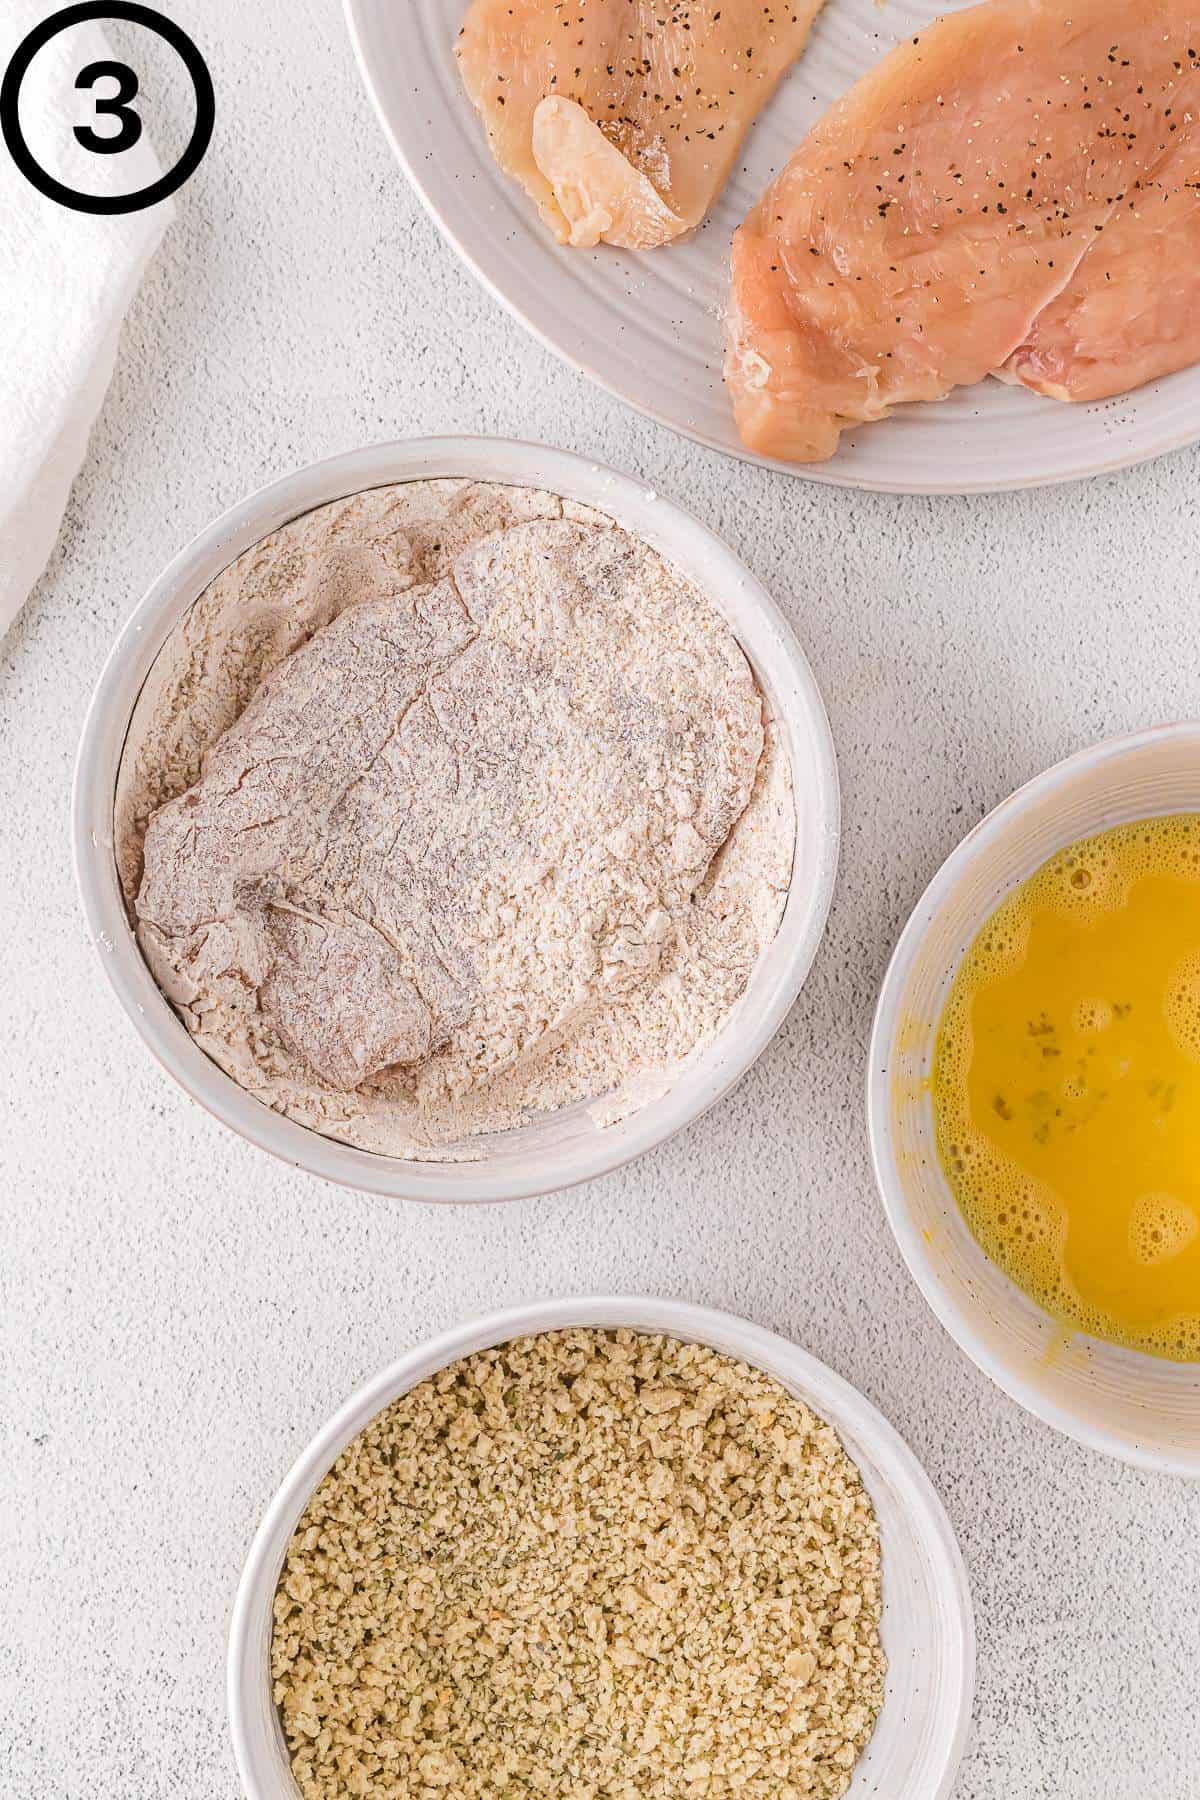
column 569, row 1147
column 1140, row 1408
column 928, row 1630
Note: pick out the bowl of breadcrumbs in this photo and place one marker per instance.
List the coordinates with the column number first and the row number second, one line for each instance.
column 602, row 1549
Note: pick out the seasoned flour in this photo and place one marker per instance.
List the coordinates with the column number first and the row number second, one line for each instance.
column 448, row 805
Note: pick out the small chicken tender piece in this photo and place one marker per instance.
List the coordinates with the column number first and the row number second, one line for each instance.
column 600, row 193
column 669, row 89
column 967, row 203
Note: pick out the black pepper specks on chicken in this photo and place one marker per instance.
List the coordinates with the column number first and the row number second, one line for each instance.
column 627, row 136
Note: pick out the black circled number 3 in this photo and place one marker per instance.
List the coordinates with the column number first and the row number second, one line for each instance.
column 116, row 105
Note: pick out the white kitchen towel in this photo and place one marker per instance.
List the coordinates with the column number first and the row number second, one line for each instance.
column 66, row 282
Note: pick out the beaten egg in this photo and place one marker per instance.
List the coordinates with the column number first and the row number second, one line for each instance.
column 1066, row 1086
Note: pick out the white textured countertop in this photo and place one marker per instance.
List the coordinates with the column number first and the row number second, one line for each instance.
column 179, row 1313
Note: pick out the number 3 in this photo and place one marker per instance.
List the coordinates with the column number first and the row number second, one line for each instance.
column 116, row 104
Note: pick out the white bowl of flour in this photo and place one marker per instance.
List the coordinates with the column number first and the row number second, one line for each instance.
column 456, row 819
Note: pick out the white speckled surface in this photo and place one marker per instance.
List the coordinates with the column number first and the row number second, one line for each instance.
column 179, row 1314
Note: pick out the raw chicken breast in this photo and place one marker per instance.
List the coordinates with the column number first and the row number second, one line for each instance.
column 1132, row 310
column 621, row 118
column 965, row 209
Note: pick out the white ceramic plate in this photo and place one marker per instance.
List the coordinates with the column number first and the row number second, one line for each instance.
column 648, row 327
column 928, row 1629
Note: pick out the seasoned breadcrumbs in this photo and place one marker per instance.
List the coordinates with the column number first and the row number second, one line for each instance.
column 590, row 1565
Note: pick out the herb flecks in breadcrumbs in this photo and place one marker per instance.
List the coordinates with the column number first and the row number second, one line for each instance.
column 589, row 1565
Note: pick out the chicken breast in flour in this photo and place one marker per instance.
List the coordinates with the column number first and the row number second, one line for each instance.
column 621, row 118
column 449, row 805
column 1014, row 191
column 396, row 774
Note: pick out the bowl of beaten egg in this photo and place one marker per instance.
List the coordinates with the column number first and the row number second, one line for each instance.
column 1034, row 1089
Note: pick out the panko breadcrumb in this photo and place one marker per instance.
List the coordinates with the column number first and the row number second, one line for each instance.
column 589, row 1565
